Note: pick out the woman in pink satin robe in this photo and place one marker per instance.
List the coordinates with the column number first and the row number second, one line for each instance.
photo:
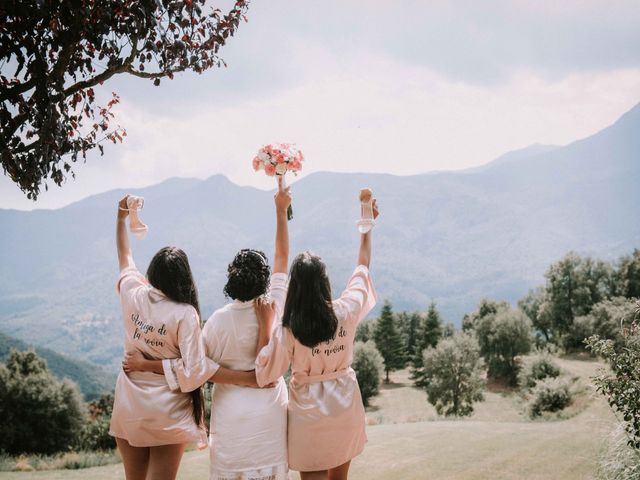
column 155, row 415
column 326, row 418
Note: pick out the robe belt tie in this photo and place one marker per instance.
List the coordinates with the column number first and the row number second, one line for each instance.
column 306, row 379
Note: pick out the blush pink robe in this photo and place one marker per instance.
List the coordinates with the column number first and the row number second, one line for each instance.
column 326, row 415
column 149, row 409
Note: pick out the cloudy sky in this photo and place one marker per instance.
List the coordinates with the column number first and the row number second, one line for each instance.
column 401, row 86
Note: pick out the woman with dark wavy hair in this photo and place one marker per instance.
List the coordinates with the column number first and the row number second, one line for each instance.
column 326, row 420
column 155, row 415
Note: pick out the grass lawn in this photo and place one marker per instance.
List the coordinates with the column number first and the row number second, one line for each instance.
column 408, row 441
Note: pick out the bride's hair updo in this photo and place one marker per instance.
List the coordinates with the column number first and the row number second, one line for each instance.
column 247, row 275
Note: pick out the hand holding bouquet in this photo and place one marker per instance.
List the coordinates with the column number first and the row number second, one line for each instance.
column 276, row 160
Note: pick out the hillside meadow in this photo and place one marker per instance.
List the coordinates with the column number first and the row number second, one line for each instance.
column 408, row 441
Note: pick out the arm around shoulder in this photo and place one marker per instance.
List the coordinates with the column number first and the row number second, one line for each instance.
column 274, row 359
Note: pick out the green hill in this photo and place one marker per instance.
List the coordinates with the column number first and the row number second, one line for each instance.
column 91, row 379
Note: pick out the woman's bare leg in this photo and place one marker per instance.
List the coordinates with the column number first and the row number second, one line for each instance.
column 319, row 475
column 164, row 461
column 341, row 472
column 135, row 460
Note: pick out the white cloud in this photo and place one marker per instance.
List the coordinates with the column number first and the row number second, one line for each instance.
column 354, row 112
column 375, row 114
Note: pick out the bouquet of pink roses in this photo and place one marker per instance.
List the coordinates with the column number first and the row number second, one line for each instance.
column 277, row 159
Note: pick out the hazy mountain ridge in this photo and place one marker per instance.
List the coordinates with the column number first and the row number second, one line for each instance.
column 514, row 155
column 451, row 237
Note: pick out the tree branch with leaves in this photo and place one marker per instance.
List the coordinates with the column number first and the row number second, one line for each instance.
column 53, row 53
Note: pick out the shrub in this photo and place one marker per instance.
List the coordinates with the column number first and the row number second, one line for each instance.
column 364, row 330
column 77, row 460
column 57, row 461
column 40, row 414
column 574, row 284
column 369, row 366
column 618, row 460
column 535, row 368
column 605, row 320
column 503, row 336
column 94, row 434
column 536, row 306
column 452, row 375
column 622, row 386
column 627, row 275
column 550, row 395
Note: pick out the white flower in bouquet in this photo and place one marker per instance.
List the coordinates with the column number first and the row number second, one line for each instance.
column 278, row 159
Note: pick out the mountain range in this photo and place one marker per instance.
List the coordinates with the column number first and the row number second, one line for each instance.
column 448, row 237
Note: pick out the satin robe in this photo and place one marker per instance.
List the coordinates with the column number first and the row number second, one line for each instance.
column 326, row 418
column 150, row 409
column 248, row 434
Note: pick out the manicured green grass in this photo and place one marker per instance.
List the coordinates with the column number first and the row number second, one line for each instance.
column 408, row 441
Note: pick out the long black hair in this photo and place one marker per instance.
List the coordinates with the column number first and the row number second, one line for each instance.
column 169, row 272
column 308, row 311
column 247, row 275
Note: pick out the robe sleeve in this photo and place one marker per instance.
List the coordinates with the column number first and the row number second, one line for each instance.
column 129, row 282
column 359, row 297
column 193, row 368
column 278, row 292
column 274, row 358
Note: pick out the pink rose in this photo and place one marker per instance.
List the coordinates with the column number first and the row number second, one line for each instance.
column 256, row 164
column 270, row 169
column 295, row 165
column 280, row 157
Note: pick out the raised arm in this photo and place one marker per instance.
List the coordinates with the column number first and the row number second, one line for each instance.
column 125, row 256
column 265, row 312
column 282, row 201
column 364, row 254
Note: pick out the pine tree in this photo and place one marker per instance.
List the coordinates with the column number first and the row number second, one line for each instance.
column 410, row 326
column 429, row 336
column 388, row 341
